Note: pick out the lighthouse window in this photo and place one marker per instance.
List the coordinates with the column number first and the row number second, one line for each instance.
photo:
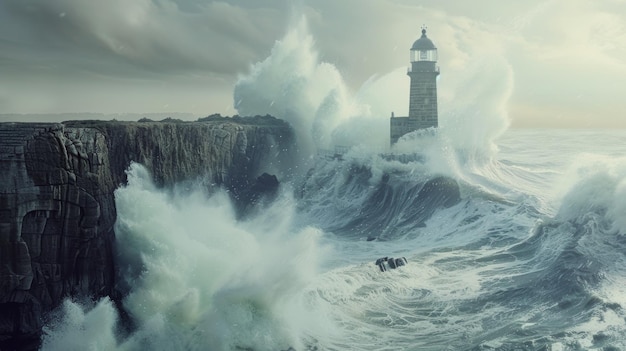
column 423, row 55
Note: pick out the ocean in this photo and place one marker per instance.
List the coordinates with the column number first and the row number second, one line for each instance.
column 531, row 257
column 528, row 252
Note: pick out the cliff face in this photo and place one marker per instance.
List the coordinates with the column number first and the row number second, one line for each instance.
column 57, row 208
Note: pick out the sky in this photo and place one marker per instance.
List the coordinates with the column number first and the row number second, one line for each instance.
column 567, row 58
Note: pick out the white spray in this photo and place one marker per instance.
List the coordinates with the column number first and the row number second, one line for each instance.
column 594, row 184
column 294, row 85
column 198, row 278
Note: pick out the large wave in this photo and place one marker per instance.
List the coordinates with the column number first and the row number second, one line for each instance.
column 293, row 84
column 195, row 278
column 486, row 274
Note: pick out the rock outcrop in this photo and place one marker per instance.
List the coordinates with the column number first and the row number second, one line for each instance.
column 57, row 210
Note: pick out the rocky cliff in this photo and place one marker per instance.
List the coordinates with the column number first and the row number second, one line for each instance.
column 57, row 208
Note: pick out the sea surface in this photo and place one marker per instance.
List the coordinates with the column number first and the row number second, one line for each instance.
column 532, row 256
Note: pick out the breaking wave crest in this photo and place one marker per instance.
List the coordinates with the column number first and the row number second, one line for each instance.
column 292, row 83
column 494, row 262
column 195, row 278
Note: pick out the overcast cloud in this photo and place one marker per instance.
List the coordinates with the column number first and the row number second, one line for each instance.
column 567, row 58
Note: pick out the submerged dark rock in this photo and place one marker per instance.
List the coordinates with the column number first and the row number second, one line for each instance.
column 57, row 208
column 385, row 263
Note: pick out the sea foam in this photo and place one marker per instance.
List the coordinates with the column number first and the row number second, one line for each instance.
column 196, row 278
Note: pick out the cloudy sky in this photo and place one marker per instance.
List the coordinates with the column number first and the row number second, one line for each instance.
column 567, row 57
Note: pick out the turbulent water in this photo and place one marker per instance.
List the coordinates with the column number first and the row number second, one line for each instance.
column 533, row 257
column 529, row 255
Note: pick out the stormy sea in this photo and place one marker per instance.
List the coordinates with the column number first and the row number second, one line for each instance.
column 514, row 239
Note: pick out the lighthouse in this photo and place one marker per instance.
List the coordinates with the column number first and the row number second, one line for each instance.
column 423, row 73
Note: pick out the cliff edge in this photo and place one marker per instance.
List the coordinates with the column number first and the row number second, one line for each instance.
column 57, row 209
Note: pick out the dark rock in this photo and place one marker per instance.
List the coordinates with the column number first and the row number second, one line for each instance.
column 385, row 263
column 57, row 209
column 262, row 191
column 400, row 261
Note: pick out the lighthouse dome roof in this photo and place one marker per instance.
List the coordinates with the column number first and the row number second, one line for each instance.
column 423, row 43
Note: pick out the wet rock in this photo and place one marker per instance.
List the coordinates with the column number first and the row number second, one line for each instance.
column 57, row 209
column 262, row 191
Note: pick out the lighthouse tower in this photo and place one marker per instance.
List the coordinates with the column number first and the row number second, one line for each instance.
column 423, row 96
